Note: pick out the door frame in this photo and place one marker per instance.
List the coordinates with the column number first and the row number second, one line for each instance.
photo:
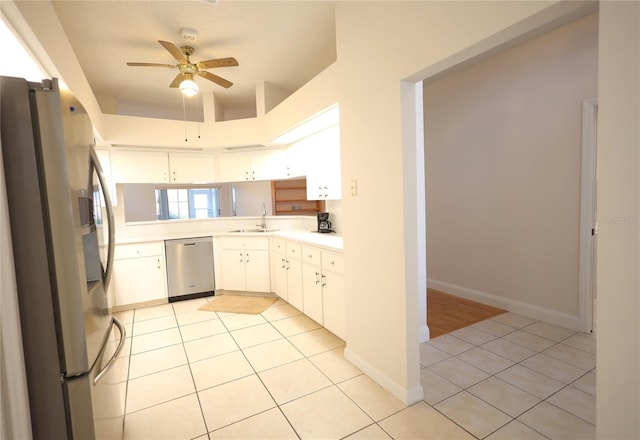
column 588, row 224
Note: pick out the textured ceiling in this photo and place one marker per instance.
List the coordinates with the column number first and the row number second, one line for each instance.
column 285, row 43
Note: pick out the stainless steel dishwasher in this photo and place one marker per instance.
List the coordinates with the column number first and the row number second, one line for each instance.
column 189, row 268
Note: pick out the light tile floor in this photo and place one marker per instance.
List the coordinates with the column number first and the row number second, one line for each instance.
column 194, row 374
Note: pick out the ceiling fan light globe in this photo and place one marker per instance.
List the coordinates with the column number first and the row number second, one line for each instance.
column 189, row 87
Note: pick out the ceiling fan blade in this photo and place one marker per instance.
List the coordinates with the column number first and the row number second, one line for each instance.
column 173, row 50
column 220, row 62
column 151, row 65
column 176, row 81
column 215, row 78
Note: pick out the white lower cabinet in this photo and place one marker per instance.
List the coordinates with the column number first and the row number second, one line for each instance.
column 294, row 276
column 311, row 280
column 334, row 304
column 312, row 283
column 245, row 264
column 257, row 275
column 279, row 268
column 139, row 273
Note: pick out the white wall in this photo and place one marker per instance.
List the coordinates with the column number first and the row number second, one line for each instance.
column 503, row 151
column 380, row 45
column 618, row 362
column 250, row 196
column 139, row 202
column 334, row 208
column 416, row 39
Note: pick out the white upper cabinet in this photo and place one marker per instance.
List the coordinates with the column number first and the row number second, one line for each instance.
column 191, row 168
column 255, row 165
column 324, row 180
column 159, row 167
column 139, row 166
column 298, row 163
column 234, row 167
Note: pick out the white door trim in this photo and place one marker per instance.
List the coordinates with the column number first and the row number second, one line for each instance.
column 588, row 227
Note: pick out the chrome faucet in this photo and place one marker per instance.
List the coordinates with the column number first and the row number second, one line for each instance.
column 263, row 225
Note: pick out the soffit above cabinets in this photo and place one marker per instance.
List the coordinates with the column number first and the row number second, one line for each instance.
column 284, row 43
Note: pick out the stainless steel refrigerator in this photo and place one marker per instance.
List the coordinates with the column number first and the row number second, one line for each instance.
column 63, row 253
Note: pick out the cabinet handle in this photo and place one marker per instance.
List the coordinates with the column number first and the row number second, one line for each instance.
column 159, row 266
column 247, row 257
column 287, row 264
column 241, row 259
column 174, row 175
column 333, row 263
column 283, row 263
column 324, row 280
column 317, row 277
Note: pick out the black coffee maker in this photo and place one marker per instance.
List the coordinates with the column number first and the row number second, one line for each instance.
column 324, row 225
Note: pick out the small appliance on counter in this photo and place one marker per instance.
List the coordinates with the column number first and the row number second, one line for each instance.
column 324, row 224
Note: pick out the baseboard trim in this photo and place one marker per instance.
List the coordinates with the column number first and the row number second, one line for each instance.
column 533, row 311
column 423, row 333
column 407, row 396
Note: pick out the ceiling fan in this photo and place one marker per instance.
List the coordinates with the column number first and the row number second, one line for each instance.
column 189, row 69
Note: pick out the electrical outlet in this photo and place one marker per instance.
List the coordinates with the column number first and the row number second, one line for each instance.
column 353, row 187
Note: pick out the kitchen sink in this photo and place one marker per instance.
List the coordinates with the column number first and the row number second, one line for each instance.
column 253, row 230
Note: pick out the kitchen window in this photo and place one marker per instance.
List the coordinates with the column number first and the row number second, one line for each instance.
column 187, row 202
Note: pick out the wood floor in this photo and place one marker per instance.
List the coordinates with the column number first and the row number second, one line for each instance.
column 446, row 313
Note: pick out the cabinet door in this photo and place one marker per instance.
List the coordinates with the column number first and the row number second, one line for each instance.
column 191, row 168
column 234, row 167
column 139, row 167
column 257, row 275
column 298, row 163
column 233, row 269
column 312, row 291
column 279, row 275
column 324, row 180
column 294, row 284
column 268, row 165
column 334, row 304
column 138, row 280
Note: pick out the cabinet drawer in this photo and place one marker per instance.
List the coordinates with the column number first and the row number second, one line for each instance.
column 332, row 262
column 294, row 250
column 256, row 243
column 311, row 255
column 279, row 245
column 135, row 250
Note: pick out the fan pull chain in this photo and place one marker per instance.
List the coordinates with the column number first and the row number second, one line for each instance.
column 184, row 118
column 198, row 114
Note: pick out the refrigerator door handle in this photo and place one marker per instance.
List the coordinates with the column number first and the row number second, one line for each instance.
column 108, row 270
column 123, row 335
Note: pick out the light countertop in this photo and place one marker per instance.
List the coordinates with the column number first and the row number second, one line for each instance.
column 329, row 241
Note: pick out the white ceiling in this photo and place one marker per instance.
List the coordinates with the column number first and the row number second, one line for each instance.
column 285, row 43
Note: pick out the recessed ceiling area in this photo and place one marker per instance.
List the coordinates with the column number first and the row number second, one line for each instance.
column 283, row 43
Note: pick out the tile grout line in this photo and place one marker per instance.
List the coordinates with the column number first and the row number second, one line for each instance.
column 193, row 380
column 255, row 372
column 565, row 385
